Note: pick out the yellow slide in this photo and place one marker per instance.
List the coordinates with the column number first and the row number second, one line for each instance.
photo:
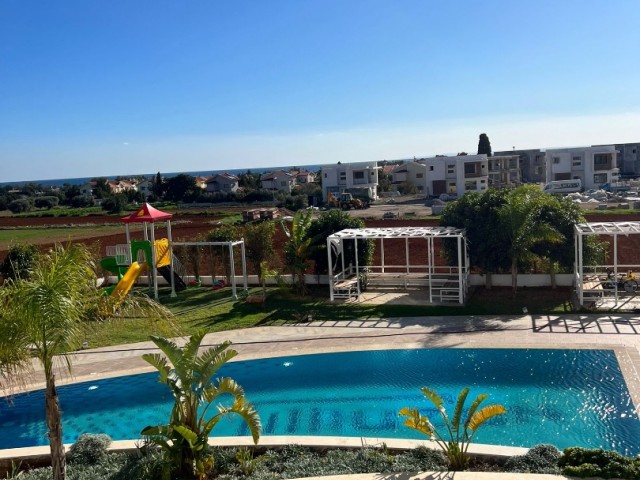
column 130, row 277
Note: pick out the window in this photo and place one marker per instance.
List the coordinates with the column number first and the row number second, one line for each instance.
column 419, row 175
column 483, row 181
column 325, row 175
column 420, row 188
column 451, row 169
column 538, row 170
column 431, row 168
column 556, row 160
column 602, row 159
column 469, row 186
column 600, row 178
column 469, row 168
column 358, row 175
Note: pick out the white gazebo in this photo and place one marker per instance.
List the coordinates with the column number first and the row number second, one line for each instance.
column 611, row 280
column 444, row 283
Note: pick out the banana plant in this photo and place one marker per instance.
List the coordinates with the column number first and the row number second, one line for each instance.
column 190, row 377
column 459, row 434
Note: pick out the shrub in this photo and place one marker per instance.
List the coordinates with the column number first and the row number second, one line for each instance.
column 89, row 449
column 539, row 459
column 46, row 202
column 19, row 205
column 19, row 261
column 585, row 462
column 114, row 204
column 81, row 201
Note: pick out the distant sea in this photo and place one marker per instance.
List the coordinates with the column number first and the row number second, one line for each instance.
column 82, row 180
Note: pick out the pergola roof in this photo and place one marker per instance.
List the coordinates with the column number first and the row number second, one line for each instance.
column 608, row 228
column 398, row 232
column 146, row 213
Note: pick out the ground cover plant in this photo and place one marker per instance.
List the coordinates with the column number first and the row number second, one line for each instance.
column 89, row 460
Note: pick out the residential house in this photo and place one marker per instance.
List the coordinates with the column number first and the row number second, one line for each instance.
column 360, row 179
column 201, row 182
column 87, row 189
column 303, row 176
column 410, row 173
column 222, row 183
column 278, row 180
column 455, row 175
column 594, row 166
column 121, row 186
column 145, row 187
column 532, row 164
column 504, row 171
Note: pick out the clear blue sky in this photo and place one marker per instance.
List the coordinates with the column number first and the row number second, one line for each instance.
column 113, row 87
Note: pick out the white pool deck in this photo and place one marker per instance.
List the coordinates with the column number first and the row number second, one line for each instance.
column 618, row 332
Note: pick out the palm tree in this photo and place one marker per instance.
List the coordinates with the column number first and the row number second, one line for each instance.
column 190, row 377
column 44, row 316
column 298, row 249
column 520, row 219
column 459, row 434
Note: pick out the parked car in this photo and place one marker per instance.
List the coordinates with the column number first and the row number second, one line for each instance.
column 388, row 215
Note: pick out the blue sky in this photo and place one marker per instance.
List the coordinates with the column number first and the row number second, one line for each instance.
column 97, row 87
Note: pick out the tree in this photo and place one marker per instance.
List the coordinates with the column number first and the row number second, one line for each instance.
column 101, row 188
column 81, row 201
column 455, row 442
column 191, row 379
column 19, row 205
column 478, row 215
column 258, row 239
column 180, row 186
column 114, row 203
column 19, row 261
column 224, row 233
column 45, row 316
column 521, row 220
column 298, row 248
column 47, row 202
column 484, row 145
column 158, row 186
column 407, row 188
column 326, row 225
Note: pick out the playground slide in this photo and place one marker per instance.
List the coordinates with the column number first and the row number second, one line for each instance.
column 178, row 282
column 124, row 285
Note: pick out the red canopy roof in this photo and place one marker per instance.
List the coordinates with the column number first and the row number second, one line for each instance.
column 146, row 213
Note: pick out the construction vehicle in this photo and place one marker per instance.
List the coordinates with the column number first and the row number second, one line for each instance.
column 346, row 202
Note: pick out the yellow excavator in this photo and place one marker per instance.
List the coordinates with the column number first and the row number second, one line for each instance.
column 346, row 201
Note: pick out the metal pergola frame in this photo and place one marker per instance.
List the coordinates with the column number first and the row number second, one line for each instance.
column 230, row 245
column 335, row 249
column 613, row 229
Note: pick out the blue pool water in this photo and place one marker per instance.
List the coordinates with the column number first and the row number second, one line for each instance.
column 563, row 397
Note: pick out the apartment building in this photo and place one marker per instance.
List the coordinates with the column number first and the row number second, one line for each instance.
column 594, row 166
column 455, row 175
column 360, row 178
column 628, row 159
column 532, row 164
column 504, row 171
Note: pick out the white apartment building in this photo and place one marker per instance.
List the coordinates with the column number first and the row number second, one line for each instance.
column 350, row 177
column 455, row 175
column 278, row 180
column 594, row 166
column 504, row 171
column 410, row 172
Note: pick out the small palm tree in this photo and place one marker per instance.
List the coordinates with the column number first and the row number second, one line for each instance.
column 455, row 442
column 45, row 315
column 299, row 247
column 190, row 377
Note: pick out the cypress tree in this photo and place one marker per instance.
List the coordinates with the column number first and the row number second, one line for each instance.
column 484, row 145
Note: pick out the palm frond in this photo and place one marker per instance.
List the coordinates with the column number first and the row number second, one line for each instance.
column 485, row 414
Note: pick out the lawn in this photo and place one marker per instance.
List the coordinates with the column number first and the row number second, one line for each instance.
column 50, row 234
column 215, row 311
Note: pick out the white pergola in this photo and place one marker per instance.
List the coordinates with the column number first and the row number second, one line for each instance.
column 444, row 283
column 590, row 283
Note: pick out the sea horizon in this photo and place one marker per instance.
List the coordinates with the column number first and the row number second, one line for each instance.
column 58, row 182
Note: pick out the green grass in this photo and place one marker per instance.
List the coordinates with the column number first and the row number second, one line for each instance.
column 54, row 234
column 214, row 311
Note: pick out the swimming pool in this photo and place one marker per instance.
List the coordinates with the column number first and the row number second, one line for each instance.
column 563, row 397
